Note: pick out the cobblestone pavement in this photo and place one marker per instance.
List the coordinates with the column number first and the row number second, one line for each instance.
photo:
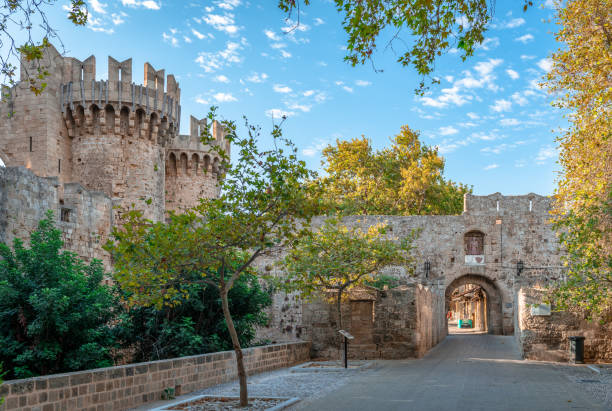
column 464, row 372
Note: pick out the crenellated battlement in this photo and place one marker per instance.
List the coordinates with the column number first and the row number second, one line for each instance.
column 498, row 204
column 112, row 135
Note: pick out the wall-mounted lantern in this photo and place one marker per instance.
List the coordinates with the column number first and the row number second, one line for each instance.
column 427, row 267
column 519, row 267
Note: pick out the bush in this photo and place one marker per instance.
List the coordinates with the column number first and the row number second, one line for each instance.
column 196, row 325
column 54, row 310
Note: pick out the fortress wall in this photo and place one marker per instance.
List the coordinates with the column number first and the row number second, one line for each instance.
column 431, row 318
column 85, row 217
column 543, row 334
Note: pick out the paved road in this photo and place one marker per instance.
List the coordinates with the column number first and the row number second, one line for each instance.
column 464, row 372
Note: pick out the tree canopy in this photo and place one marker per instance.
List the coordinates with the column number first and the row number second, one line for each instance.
column 425, row 29
column 581, row 80
column 337, row 258
column 404, row 179
column 262, row 203
column 54, row 309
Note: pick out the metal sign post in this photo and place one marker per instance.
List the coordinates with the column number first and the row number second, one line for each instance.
column 347, row 336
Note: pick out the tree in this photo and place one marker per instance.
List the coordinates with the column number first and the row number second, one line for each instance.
column 337, row 258
column 54, row 309
column 263, row 198
column 405, row 179
column 29, row 16
column 580, row 78
column 433, row 28
column 196, row 325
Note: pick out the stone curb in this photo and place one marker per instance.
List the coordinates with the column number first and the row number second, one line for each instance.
column 305, row 368
column 283, row 405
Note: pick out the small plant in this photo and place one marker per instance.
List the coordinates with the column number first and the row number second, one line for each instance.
column 168, row 394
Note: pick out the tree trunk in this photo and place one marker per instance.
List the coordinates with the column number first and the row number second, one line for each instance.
column 242, row 377
column 339, row 309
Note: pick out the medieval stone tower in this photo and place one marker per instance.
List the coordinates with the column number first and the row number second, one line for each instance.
column 112, row 136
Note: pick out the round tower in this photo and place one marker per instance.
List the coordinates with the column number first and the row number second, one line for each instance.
column 119, row 131
column 192, row 168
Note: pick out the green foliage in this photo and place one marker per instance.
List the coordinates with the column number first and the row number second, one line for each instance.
column 18, row 18
column 337, row 258
column 427, row 29
column 404, row 179
column 196, row 325
column 263, row 199
column 382, row 281
column 580, row 78
column 54, row 310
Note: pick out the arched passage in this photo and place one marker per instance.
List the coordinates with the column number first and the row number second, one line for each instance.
column 491, row 316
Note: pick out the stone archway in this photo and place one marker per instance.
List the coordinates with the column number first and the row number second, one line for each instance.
column 494, row 315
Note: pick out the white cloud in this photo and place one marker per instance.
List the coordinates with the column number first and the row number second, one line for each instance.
column 223, row 23
column 525, row 39
column 520, row 163
column 211, row 62
column 278, row 113
column 448, row 96
column 221, row 79
column 197, row 34
column 501, row 105
column 545, row 154
column 187, row 39
column 489, row 43
column 519, row 99
column 527, row 57
column 347, row 89
column 272, row 35
column 545, row 64
column 313, row 149
column 257, row 77
column 201, row 100
column 363, row 83
column 302, row 107
column 97, row 6
column 118, row 18
column 447, row 131
column 224, row 98
column 514, row 23
column 473, row 116
column 285, row 54
column 96, row 24
column 278, row 45
column 170, row 38
column 318, row 21
column 281, row 89
column 449, row 78
column 513, row 74
column 509, row 122
column 484, row 68
column 228, row 4
column 147, row 4
column 491, row 167
column 308, row 93
column 322, row 63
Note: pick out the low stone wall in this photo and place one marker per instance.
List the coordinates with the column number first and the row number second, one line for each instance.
column 117, row 388
column 543, row 334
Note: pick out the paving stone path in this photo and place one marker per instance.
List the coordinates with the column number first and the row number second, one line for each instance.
column 465, row 372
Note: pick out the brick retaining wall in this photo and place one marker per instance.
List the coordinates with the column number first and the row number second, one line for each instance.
column 127, row 386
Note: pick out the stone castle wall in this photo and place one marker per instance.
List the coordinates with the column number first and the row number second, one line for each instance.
column 85, row 217
column 112, row 135
column 543, row 334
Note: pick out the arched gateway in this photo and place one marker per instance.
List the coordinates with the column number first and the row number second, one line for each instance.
column 489, row 315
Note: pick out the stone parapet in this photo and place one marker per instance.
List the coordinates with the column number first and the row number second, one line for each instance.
column 128, row 386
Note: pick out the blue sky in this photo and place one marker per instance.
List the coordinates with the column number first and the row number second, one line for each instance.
column 492, row 123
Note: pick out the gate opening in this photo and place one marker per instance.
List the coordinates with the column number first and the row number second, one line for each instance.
column 467, row 311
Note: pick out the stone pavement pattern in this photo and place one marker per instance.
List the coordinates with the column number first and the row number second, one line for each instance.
column 464, row 372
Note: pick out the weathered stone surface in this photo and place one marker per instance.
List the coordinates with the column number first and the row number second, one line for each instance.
column 110, row 383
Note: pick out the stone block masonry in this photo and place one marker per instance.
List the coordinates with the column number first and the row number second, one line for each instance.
column 128, row 386
column 543, row 334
